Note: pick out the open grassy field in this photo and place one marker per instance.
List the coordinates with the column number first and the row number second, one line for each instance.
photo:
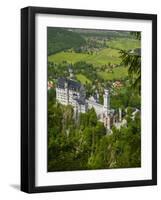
column 124, row 43
column 101, row 57
column 83, row 79
column 118, row 73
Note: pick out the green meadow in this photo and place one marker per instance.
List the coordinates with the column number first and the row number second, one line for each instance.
column 101, row 57
column 82, row 78
column 118, row 73
column 124, row 43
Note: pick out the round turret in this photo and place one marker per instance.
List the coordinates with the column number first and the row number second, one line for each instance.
column 106, row 98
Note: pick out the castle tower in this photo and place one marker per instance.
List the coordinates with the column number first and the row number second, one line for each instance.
column 120, row 114
column 106, row 100
column 97, row 96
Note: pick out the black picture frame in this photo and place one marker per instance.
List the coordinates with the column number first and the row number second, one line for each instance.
column 28, row 98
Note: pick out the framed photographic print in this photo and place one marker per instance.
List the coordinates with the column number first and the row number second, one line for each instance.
column 88, row 99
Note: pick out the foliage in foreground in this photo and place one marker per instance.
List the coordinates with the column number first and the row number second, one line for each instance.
column 83, row 143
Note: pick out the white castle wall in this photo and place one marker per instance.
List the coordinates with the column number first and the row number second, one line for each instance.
column 98, row 107
column 62, row 96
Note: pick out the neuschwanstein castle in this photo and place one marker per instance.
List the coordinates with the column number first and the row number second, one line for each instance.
column 71, row 92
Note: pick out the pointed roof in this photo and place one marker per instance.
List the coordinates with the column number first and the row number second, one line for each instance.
column 72, row 85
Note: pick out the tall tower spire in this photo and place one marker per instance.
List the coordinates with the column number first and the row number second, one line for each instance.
column 106, row 98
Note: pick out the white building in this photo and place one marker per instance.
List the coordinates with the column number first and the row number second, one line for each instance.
column 70, row 92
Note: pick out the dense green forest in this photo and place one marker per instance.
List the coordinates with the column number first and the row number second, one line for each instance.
column 60, row 39
column 84, row 144
column 99, row 60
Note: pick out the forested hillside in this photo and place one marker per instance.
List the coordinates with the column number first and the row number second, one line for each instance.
column 60, row 39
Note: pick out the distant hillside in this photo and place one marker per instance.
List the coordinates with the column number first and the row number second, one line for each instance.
column 60, row 39
column 102, row 33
